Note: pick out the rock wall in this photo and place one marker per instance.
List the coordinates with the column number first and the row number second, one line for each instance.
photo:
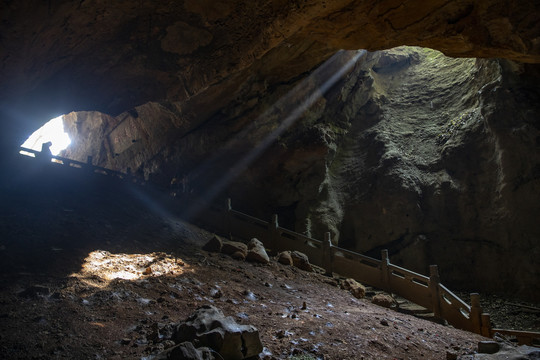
column 432, row 157
column 60, row 56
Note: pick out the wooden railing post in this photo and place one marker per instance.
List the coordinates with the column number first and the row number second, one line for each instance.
column 274, row 234
column 327, row 253
column 385, row 272
column 476, row 313
column 90, row 165
column 434, row 281
column 486, row 325
column 227, row 220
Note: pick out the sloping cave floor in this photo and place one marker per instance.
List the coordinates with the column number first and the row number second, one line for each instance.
column 56, row 303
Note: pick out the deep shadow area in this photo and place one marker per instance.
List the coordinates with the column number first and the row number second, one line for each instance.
column 53, row 216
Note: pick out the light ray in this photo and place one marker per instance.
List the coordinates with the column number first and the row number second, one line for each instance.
column 330, row 72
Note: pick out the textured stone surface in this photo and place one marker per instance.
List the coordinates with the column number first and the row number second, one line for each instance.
column 92, row 55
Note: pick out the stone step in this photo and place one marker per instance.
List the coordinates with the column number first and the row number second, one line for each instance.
column 408, row 307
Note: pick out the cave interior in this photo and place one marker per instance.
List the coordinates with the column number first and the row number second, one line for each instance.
column 391, row 125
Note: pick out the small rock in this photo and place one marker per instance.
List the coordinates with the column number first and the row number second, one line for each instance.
column 34, row 290
column 214, row 244
column 216, row 293
column 185, row 351
column 285, row 258
column 383, row 300
column 304, row 306
column 154, row 332
column 488, row 347
column 384, row 322
column 257, row 252
column 238, row 255
column 331, row 281
column 167, row 344
column 125, row 341
column 236, row 249
column 355, row 288
column 301, row 261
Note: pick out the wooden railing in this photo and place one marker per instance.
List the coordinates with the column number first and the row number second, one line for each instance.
column 422, row 290
column 87, row 166
column 425, row 291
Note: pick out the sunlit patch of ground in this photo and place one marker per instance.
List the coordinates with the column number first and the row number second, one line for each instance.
column 107, row 266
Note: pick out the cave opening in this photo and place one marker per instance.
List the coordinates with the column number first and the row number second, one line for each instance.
column 52, row 131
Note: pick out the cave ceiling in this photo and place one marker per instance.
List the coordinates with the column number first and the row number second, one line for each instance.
column 58, row 56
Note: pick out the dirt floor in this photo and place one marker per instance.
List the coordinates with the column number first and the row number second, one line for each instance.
column 92, row 270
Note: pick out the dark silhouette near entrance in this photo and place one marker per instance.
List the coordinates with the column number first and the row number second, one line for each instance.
column 46, row 154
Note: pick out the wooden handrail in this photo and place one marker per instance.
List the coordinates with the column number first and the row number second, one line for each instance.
column 418, row 288
column 59, row 160
column 531, row 338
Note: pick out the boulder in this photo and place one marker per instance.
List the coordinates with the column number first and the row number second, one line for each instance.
column 257, row 252
column 301, row 261
column 236, row 249
column 214, row 244
column 285, row 258
column 209, row 327
column 355, row 288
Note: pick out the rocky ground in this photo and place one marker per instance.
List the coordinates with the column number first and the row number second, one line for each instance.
column 96, row 270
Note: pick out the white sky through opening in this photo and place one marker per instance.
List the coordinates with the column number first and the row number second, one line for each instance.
column 52, row 131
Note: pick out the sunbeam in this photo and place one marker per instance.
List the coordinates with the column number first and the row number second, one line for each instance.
column 315, row 86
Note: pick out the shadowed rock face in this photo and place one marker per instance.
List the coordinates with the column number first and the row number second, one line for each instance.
column 59, row 56
column 431, row 157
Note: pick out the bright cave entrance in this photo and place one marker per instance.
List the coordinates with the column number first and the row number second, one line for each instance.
column 52, row 132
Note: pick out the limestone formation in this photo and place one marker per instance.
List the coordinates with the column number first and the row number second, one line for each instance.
column 96, row 56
